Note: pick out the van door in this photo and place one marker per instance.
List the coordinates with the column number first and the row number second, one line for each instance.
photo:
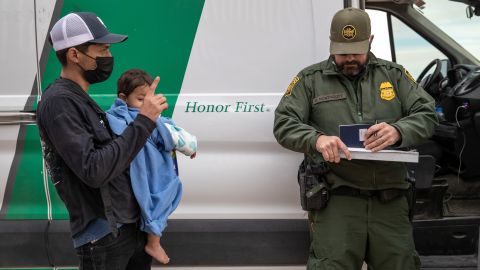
column 23, row 200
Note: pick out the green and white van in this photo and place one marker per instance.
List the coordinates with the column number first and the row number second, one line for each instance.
column 224, row 65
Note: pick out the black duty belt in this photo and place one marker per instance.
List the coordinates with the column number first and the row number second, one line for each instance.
column 383, row 195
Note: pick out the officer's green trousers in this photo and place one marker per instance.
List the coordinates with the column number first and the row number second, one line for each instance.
column 353, row 229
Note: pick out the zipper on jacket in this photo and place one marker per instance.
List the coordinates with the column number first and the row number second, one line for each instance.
column 359, row 99
column 351, row 88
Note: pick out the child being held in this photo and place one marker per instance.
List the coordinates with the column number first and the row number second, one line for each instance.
column 155, row 182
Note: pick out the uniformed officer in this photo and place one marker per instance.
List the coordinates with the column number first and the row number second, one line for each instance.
column 367, row 216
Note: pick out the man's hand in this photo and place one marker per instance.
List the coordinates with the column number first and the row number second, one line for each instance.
column 153, row 105
column 330, row 147
column 380, row 136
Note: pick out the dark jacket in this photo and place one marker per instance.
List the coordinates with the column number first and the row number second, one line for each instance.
column 83, row 155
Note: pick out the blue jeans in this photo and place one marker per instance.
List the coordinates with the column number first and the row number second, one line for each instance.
column 125, row 252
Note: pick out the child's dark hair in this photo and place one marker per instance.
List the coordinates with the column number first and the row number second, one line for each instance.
column 132, row 79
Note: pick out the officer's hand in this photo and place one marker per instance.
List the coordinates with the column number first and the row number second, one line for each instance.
column 330, row 147
column 380, row 136
column 153, row 105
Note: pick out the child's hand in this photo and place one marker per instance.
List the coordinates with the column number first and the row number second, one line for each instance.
column 193, row 155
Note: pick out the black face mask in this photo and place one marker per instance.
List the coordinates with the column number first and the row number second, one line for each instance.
column 102, row 72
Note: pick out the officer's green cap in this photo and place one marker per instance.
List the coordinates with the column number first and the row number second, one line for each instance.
column 350, row 32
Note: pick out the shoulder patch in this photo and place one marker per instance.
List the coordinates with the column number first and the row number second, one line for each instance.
column 409, row 76
column 290, row 87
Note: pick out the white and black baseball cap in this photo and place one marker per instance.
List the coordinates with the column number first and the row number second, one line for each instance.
column 81, row 27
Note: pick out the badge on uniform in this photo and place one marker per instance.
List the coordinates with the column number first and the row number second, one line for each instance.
column 295, row 80
column 386, row 91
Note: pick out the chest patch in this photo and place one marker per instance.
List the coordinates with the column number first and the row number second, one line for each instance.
column 330, row 97
column 386, row 91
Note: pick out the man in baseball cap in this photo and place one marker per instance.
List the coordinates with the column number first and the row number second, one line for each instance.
column 367, row 214
column 80, row 30
column 87, row 164
column 350, row 40
column 350, row 32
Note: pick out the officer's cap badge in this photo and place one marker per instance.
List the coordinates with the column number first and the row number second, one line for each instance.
column 349, row 32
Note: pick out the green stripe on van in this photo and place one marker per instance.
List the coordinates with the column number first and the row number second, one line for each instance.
column 160, row 38
column 28, row 199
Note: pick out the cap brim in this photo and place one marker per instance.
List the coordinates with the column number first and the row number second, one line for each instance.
column 109, row 39
column 360, row 47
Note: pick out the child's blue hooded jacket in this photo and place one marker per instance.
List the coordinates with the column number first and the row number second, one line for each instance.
column 154, row 181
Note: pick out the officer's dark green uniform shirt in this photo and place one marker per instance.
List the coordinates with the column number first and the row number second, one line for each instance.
column 320, row 99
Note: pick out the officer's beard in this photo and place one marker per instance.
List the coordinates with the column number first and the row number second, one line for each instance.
column 351, row 68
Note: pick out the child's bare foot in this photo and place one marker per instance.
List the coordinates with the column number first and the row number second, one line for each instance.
column 157, row 252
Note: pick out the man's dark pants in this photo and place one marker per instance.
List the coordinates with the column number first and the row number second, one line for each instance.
column 125, row 252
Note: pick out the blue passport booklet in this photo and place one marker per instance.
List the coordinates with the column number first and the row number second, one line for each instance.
column 353, row 135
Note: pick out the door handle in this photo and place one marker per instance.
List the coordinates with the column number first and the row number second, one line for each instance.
column 15, row 118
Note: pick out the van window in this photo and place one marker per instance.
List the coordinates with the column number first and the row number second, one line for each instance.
column 381, row 41
column 451, row 17
column 410, row 49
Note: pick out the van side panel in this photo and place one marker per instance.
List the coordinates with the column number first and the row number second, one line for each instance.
column 241, row 53
column 28, row 200
column 22, row 194
column 245, row 54
column 23, row 211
